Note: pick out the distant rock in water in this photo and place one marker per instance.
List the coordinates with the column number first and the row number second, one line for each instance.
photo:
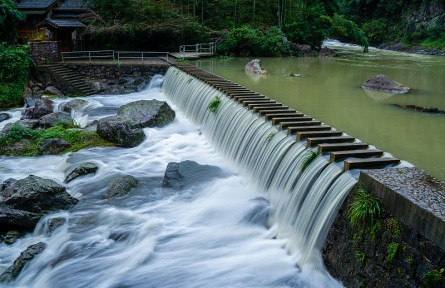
column 82, row 169
column 25, row 257
column 148, row 113
column 121, row 186
column 384, row 83
column 186, row 173
column 327, row 52
column 254, row 66
column 421, row 109
column 52, row 119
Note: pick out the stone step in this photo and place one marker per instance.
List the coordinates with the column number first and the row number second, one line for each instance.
column 248, row 97
column 271, row 115
column 322, row 148
column 255, row 107
column 321, row 140
column 312, row 134
column 269, row 107
column 266, row 111
column 340, row 155
column 284, row 125
column 370, row 163
column 291, row 119
column 257, row 101
column 293, row 130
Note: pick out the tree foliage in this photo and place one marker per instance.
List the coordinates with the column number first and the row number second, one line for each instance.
column 9, row 18
column 15, row 66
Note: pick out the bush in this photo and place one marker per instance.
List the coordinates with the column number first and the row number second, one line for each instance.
column 15, row 65
column 376, row 30
column 249, row 41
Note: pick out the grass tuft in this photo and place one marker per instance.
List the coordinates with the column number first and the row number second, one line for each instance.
column 213, row 105
column 365, row 209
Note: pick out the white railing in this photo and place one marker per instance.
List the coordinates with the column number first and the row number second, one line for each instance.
column 140, row 55
column 114, row 55
column 98, row 54
column 196, row 49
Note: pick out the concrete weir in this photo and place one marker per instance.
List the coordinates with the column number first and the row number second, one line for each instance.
column 297, row 125
column 400, row 185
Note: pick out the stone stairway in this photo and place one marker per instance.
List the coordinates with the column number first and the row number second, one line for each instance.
column 70, row 79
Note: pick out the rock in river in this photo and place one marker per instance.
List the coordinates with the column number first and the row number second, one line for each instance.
column 121, row 186
column 384, row 83
column 148, row 113
column 82, row 169
column 122, row 131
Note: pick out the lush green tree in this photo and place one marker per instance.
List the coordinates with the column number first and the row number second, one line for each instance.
column 9, row 18
column 15, row 66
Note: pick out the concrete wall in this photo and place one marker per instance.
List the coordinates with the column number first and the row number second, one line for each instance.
column 403, row 245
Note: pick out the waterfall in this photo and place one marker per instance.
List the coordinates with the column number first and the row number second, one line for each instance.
column 304, row 201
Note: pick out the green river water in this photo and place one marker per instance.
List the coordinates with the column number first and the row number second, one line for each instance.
column 330, row 91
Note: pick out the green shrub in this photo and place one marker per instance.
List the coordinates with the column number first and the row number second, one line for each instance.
column 434, row 278
column 365, row 208
column 376, row 30
column 213, row 105
column 15, row 66
column 308, row 158
column 391, row 251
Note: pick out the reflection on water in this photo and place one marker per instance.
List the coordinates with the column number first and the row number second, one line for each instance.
column 331, row 91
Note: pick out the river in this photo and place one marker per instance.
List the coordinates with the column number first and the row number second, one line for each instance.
column 201, row 236
column 330, row 91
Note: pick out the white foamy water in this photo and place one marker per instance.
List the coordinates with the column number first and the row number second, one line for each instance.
column 212, row 234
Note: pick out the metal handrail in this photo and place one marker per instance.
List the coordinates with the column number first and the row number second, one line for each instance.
column 100, row 54
column 198, row 48
column 143, row 55
column 88, row 54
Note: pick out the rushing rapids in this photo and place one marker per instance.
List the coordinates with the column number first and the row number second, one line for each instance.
column 218, row 233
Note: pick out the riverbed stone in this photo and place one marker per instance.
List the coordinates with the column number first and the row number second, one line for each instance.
column 36, row 195
column 148, row 113
column 179, row 175
column 17, row 219
column 52, row 91
column 25, row 257
column 75, row 104
column 4, row 117
column 83, row 169
column 120, row 130
column 52, row 119
column 26, row 124
column 53, row 146
column 384, row 83
column 121, row 186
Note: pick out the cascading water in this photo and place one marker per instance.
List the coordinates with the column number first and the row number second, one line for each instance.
column 303, row 203
column 211, row 234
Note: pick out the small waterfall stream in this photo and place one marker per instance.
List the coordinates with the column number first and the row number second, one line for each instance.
column 303, row 203
column 211, row 234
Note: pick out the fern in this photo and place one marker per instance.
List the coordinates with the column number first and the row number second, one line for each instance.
column 213, row 105
column 364, row 209
column 308, row 158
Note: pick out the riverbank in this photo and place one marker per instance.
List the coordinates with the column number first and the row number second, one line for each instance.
column 400, row 47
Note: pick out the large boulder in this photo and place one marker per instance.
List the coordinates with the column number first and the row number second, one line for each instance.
column 52, row 119
column 148, row 113
column 75, row 104
column 4, row 116
column 36, row 195
column 327, row 52
column 384, row 83
column 25, row 257
column 121, row 186
column 301, row 50
column 254, row 66
column 53, row 146
column 186, row 173
column 121, row 131
column 83, row 169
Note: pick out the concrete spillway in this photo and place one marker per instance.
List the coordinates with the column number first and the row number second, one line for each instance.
column 299, row 126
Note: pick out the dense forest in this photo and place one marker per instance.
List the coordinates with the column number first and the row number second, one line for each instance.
column 258, row 27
